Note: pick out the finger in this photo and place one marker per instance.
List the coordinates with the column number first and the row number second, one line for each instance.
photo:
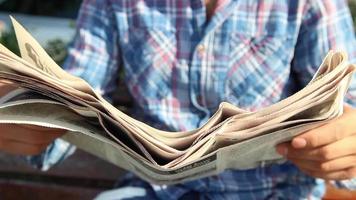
column 327, row 166
column 306, row 165
column 347, row 108
column 341, row 148
column 19, row 148
column 338, row 164
column 333, row 131
column 5, row 82
column 282, row 148
column 25, row 135
column 6, row 86
column 335, row 175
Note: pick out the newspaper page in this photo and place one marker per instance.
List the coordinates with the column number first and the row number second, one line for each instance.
column 232, row 138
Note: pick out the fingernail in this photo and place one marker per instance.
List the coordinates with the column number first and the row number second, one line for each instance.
column 299, row 143
column 282, row 151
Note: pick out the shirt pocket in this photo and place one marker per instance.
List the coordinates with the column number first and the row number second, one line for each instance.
column 149, row 55
column 258, row 69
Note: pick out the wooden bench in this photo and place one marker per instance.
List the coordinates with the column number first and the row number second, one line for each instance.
column 81, row 176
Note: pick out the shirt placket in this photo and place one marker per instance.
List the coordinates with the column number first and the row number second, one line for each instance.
column 197, row 59
column 201, row 72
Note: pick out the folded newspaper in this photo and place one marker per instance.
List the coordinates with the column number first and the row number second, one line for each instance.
column 232, row 138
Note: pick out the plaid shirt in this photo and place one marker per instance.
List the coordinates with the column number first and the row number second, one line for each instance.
column 179, row 66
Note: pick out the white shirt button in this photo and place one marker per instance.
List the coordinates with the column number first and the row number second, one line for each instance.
column 201, row 50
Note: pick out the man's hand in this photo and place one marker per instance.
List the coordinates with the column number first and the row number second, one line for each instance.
column 327, row 152
column 24, row 139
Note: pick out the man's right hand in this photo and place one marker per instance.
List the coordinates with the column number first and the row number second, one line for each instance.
column 24, row 139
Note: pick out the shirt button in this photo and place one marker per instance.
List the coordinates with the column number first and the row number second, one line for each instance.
column 201, row 50
column 126, row 38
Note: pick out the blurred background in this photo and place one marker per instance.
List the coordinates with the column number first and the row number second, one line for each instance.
column 81, row 176
column 51, row 22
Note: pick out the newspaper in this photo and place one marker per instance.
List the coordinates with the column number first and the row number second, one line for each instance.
column 233, row 138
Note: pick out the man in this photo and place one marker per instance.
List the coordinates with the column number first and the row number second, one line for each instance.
column 182, row 58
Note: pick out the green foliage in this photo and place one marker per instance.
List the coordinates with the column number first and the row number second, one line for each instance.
column 8, row 39
column 56, row 48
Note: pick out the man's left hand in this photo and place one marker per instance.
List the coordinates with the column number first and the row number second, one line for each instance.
column 327, row 152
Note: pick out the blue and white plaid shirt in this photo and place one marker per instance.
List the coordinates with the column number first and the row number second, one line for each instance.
column 179, row 66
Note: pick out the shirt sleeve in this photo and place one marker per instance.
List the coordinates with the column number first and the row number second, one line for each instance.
column 326, row 25
column 93, row 56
